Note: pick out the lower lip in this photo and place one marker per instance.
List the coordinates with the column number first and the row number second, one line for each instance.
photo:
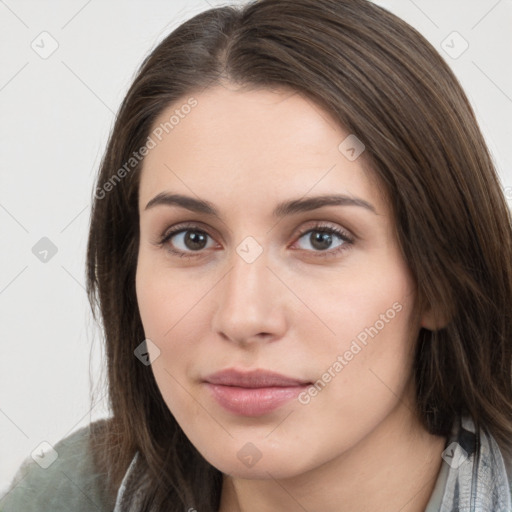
column 253, row 401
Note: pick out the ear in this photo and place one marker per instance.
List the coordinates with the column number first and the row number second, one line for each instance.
column 433, row 322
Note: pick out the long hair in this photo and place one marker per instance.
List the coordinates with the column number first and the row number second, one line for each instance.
column 383, row 82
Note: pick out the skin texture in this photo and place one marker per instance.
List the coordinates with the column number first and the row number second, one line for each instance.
column 292, row 310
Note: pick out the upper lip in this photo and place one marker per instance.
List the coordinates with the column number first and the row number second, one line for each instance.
column 252, row 379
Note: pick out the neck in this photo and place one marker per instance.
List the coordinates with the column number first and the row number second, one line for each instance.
column 370, row 476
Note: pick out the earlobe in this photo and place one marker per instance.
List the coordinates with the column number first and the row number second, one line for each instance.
column 433, row 322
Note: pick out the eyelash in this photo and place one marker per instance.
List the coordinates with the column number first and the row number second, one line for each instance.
column 319, row 228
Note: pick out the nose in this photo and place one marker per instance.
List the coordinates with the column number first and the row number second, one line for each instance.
column 250, row 303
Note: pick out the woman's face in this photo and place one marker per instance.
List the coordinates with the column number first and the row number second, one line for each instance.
column 284, row 259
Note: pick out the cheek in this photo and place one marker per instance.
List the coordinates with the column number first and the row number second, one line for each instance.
column 369, row 301
column 363, row 373
column 164, row 300
column 365, row 352
column 155, row 304
column 170, row 312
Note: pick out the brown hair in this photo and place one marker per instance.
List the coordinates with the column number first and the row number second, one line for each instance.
column 387, row 85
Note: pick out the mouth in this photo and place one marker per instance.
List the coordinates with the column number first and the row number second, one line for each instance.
column 253, row 393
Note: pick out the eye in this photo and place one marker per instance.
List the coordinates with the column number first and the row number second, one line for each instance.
column 324, row 239
column 185, row 241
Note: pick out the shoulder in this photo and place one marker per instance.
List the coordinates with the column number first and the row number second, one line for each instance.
column 70, row 482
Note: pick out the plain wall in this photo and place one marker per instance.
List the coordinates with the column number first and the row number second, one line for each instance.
column 56, row 113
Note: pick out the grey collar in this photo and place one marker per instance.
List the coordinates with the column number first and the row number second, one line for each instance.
column 473, row 476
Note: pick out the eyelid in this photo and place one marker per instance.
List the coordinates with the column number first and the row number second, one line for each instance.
column 319, row 225
column 192, row 225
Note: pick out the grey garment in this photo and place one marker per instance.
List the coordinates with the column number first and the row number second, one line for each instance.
column 71, row 483
column 130, row 493
column 473, row 478
column 434, row 504
column 475, row 474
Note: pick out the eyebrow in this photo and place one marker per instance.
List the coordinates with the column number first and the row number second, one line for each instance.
column 285, row 208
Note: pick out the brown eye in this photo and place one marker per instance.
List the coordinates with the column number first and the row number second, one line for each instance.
column 188, row 240
column 322, row 239
column 195, row 240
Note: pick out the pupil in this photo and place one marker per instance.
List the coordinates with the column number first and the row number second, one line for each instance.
column 321, row 240
column 195, row 240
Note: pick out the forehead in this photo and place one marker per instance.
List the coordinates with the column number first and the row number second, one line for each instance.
column 258, row 141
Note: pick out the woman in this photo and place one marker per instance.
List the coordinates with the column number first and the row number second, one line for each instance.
column 302, row 259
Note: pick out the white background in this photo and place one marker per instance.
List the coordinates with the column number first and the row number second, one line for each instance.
column 56, row 114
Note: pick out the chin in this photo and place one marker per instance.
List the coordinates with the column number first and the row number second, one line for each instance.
column 242, row 458
column 275, row 469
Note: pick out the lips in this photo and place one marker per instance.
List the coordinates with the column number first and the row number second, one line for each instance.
column 253, row 379
column 253, row 393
